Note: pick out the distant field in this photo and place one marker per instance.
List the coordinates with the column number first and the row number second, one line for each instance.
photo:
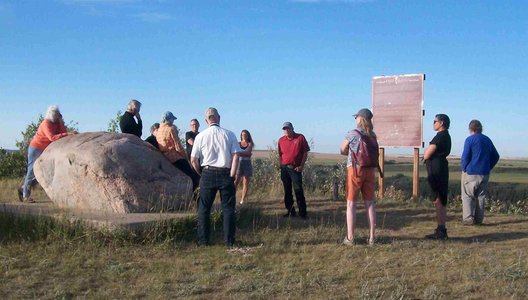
column 507, row 170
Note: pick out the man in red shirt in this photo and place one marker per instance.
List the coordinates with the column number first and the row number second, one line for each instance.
column 293, row 152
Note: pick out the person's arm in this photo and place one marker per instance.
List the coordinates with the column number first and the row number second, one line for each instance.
column 306, row 149
column 122, row 124
column 279, row 152
column 345, row 147
column 177, row 143
column 304, row 158
column 248, row 152
column 429, row 152
column 49, row 132
column 139, row 125
column 234, row 164
column 466, row 156
column 195, row 164
column 494, row 156
column 188, row 138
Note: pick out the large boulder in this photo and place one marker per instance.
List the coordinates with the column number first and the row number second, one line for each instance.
column 111, row 172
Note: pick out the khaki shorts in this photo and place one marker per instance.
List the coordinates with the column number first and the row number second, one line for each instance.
column 365, row 183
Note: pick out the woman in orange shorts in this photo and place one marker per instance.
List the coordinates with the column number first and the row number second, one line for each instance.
column 360, row 178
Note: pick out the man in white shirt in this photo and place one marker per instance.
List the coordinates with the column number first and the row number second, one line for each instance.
column 214, row 155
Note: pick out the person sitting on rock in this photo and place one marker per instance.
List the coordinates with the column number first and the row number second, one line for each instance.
column 152, row 138
column 171, row 146
column 127, row 124
column 51, row 129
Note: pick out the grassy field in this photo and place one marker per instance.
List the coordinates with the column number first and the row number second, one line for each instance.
column 274, row 257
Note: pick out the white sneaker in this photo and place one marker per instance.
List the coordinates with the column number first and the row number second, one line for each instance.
column 371, row 242
column 348, row 242
column 241, row 202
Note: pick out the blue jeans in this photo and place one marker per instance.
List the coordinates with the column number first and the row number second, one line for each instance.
column 291, row 177
column 211, row 182
column 33, row 154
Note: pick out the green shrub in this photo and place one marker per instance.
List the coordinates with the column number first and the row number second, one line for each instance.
column 12, row 164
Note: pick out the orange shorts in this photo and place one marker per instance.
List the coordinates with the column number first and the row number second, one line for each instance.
column 365, row 183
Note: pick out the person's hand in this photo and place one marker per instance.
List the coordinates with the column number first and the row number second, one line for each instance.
column 299, row 169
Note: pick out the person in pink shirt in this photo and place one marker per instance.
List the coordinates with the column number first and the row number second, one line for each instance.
column 51, row 129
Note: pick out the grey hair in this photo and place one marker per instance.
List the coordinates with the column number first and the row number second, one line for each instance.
column 53, row 113
column 166, row 121
column 133, row 104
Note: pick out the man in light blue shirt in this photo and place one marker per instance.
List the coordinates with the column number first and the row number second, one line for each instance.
column 214, row 155
column 478, row 159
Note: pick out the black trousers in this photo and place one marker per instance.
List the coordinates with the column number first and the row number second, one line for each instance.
column 290, row 178
column 184, row 166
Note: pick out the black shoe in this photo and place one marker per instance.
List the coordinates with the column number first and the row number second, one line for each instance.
column 438, row 235
column 304, row 216
column 20, row 194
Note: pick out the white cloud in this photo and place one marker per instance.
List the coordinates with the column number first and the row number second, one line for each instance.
column 152, row 17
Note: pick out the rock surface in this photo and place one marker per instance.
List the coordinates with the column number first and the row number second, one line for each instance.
column 111, row 172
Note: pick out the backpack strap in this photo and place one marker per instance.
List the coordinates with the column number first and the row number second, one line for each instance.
column 355, row 157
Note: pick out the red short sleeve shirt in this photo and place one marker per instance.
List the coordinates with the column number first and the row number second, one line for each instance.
column 291, row 151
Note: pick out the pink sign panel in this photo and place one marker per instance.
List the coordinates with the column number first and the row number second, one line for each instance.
column 397, row 105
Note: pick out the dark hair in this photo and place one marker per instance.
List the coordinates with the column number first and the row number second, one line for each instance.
column 444, row 119
column 475, row 126
column 195, row 120
column 249, row 139
column 154, row 127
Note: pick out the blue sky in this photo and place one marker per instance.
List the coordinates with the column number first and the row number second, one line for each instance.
column 264, row 62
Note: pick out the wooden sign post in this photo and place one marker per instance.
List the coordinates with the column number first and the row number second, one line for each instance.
column 397, row 105
column 416, row 174
column 380, row 179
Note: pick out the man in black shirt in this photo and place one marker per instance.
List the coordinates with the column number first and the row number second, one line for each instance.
column 152, row 138
column 190, row 135
column 127, row 123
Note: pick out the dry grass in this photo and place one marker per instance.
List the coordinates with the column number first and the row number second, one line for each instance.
column 282, row 258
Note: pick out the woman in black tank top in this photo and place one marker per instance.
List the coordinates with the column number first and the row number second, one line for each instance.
column 245, row 169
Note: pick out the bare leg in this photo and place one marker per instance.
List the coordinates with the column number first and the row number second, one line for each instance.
column 237, row 181
column 245, row 183
column 351, row 219
column 371, row 214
